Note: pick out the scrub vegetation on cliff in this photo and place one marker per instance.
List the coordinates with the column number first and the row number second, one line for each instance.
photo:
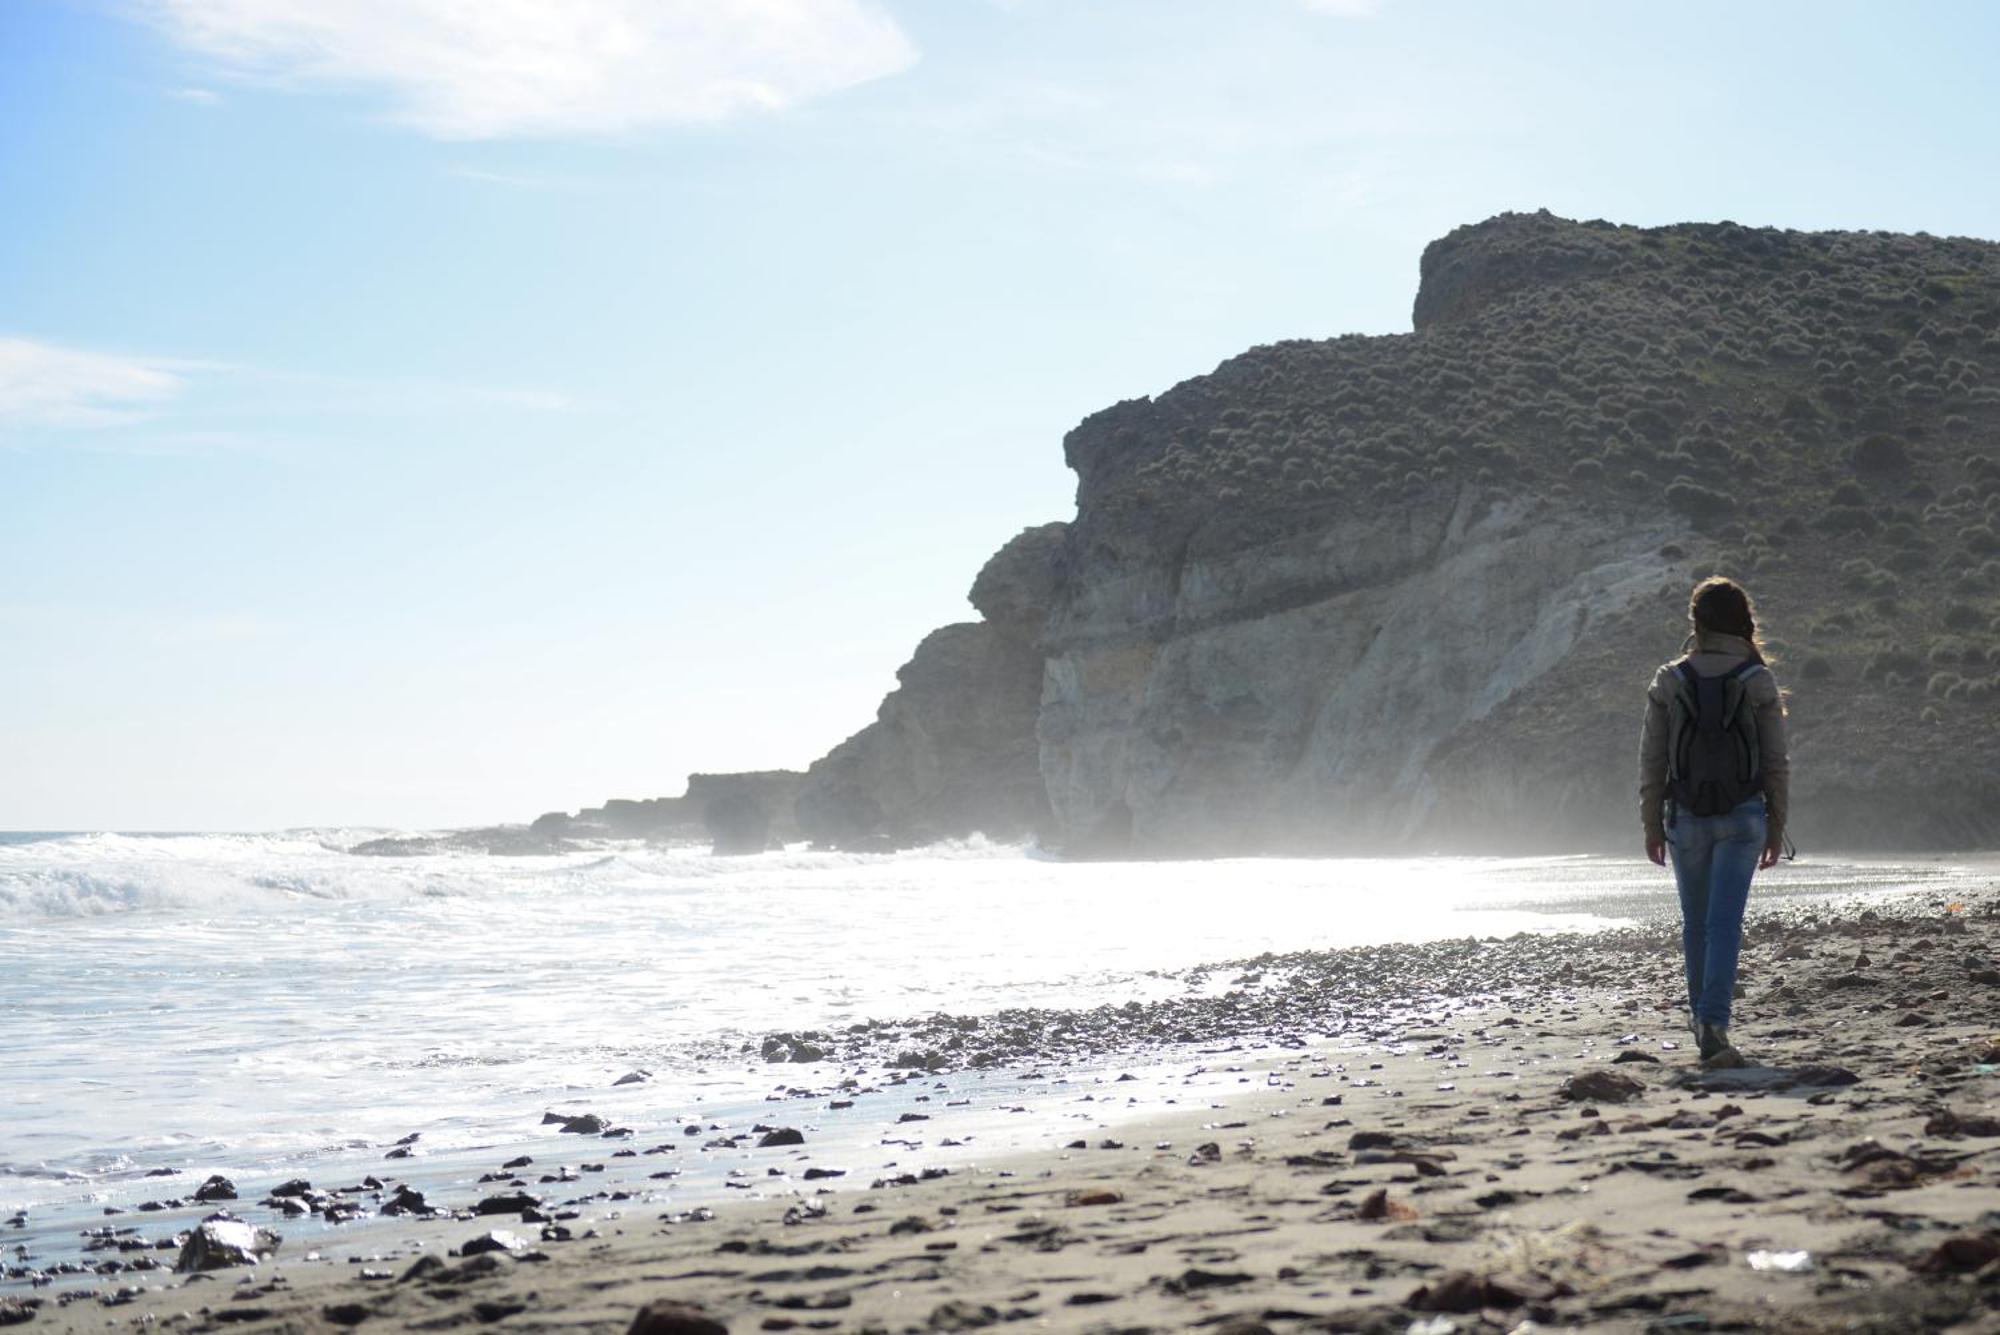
column 1819, row 412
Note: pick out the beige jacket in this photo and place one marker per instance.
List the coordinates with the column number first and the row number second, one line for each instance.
column 1714, row 654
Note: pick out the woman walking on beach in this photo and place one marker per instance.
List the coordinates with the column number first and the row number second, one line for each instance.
column 1714, row 781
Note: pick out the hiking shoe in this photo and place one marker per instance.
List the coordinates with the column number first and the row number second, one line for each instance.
column 1729, row 1059
column 1713, row 1040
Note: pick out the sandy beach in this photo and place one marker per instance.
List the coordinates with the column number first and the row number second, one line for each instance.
column 1518, row 1138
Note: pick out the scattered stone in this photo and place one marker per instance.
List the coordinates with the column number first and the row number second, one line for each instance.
column 217, row 1188
column 1600, row 1086
column 1196, row 1280
column 1378, row 1207
column 781, row 1136
column 495, row 1240
column 1952, row 1125
column 511, row 1202
column 672, row 1318
column 217, row 1244
column 1463, row 1291
column 956, row 1315
column 1960, row 1255
column 407, row 1200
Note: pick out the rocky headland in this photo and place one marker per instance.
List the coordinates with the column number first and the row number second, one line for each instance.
column 737, row 813
column 1395, row 592
column 1404, row 592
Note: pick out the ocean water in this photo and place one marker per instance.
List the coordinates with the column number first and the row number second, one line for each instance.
column 265, row 1003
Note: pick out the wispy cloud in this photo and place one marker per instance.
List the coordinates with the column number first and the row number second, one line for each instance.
column 201, row 97
column 42, row 385
column 113, row 402
column 489, row 69
column 1347, row 9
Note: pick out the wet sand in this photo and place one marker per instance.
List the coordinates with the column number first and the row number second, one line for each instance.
column 1524, row 1135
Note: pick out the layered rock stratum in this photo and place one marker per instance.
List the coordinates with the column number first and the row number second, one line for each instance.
column 1406, row 591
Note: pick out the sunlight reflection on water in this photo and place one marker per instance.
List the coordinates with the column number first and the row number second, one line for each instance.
column 273, row 995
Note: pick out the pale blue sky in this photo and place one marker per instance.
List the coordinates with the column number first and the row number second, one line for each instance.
column 417, row 421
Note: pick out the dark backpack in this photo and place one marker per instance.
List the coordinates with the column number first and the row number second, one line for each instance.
column 1713, row 762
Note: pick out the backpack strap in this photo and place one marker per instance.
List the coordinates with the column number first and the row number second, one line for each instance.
column 1680, row 717
column 1738, row 690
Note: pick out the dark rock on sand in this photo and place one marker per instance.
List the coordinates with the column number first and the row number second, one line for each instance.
column 1951, row 1124
column 513, row 1202
column 217, row 1244
column 1463, row 1291
column 1601, row 1086
column 1960, row 1255
column 407, row 1200
column 1195, row 1280
column 671, row 1318
column 961, row 1315
column 1827, row 1077
column 496, row 1240
column 13, row 1311
column 783, row 1135
column 217, row 1188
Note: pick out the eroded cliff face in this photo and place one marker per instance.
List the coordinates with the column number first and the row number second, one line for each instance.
column 952, row 749
column 1291, row 695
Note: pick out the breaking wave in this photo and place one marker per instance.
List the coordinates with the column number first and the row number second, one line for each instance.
column 97, row 874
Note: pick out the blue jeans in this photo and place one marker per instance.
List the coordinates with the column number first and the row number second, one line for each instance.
column 1714, row 858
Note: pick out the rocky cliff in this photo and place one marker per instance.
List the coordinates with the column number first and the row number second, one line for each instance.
column 952, row 749
column 1406, row 591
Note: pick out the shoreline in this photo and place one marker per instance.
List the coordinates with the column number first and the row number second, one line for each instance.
column 1621, row 1210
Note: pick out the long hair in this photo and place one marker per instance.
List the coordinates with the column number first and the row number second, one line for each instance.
column 1722, row 605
